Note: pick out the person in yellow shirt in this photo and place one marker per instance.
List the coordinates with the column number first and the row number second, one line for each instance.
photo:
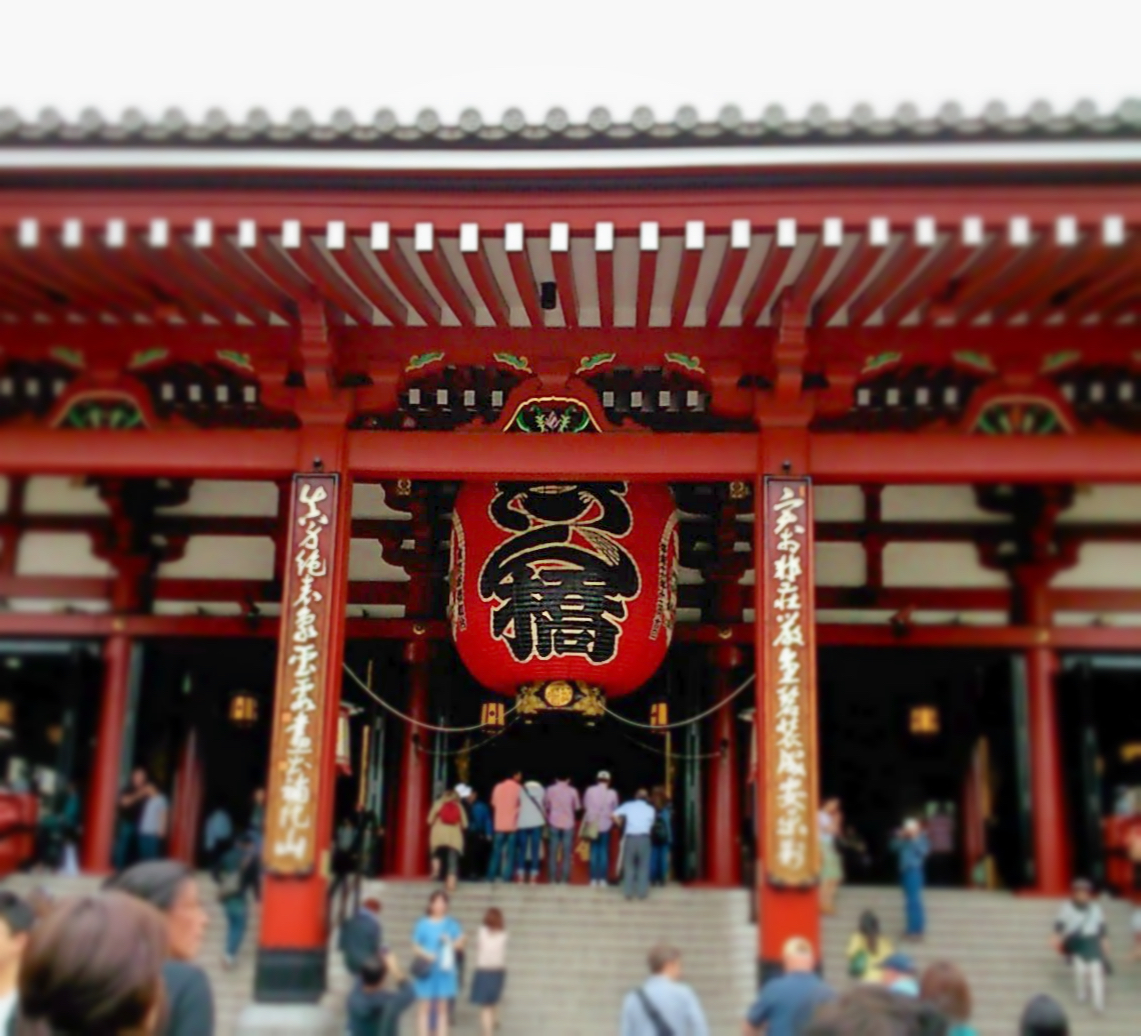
column 868, row 949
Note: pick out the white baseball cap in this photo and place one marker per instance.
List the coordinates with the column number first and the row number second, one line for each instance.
column 604, row 775
column 462, row 790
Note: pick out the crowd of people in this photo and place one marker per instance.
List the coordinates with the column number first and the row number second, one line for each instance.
column 507, row 838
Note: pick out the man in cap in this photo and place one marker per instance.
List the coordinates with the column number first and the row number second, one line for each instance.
column 899, row 975
column 912, row 848
column 599, row 805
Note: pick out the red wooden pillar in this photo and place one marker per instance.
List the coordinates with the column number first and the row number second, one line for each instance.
column 723, row 793
column 1052, row 858
column 103, row 790
column 292, row 947
column 787, row 778
column 410, row 858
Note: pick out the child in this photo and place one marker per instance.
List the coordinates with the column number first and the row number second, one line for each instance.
column 490, row 969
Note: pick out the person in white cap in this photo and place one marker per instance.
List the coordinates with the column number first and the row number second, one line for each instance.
column 599, row 805
column 448, row 821
column 911, row 846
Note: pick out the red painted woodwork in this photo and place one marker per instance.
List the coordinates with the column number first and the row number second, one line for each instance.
column 723, row 788
column 410, row 835
column 105, row 780
column 604, row 558
column 186, row 804
column 294, row 907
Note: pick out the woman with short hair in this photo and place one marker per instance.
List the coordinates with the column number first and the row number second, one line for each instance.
column 944, row 986
column 94, row 966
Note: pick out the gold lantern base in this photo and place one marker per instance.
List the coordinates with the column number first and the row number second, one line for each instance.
column 570, row 696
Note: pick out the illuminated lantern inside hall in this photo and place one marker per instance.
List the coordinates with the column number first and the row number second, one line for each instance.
column 563, row 582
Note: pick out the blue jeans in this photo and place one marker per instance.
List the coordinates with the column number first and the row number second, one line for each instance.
column 561, row 841
column 124, row 837
column 150, row 847
column 502, row 856
column 237, row 914
column 528, row 846
column 912, row 879
column 600, row 857
column 659, row 864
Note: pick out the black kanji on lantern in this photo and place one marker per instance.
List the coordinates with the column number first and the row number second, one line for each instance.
column 563, row 578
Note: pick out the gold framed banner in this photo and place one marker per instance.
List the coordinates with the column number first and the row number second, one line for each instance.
column 300, row 692
column 791, row 851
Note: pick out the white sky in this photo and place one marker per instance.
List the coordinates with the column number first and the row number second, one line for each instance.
column 494, row 54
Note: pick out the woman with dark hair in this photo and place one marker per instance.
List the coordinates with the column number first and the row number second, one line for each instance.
column 436, row 940
column 490, row 969
column 868, row 949
column 94, row 966
column 1043, row 1016
column 944, row 986
column 172, row 888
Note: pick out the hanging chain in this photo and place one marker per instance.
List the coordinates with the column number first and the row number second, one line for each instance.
column 658, row 750
column 684, row 722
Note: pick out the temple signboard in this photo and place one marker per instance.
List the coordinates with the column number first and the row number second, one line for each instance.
column 790, row 842
column 300, row 705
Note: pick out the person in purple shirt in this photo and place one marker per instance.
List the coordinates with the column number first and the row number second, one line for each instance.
column 599, row 805
column 561, row 804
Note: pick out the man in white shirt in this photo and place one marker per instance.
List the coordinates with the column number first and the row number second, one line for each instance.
column 637, row 819
column 153, row 824
column 16, row 920
column 663, row 1003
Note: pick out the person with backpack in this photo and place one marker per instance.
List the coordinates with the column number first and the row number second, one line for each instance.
column 529, row 833
column 1080, row 934
column 663, row 1005
column 661, row 836
column 448, row 821
column 236, row 875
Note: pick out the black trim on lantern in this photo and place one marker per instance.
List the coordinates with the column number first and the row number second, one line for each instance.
column 290, row 976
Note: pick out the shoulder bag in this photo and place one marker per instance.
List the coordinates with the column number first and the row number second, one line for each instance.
column 661, row 1027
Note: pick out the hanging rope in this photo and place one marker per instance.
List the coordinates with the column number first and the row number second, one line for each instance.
column 679, row 756
column 470, row 748
column 684, row 722
column 409, row 719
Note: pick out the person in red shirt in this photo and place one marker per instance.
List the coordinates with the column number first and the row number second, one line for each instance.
column 505, row 810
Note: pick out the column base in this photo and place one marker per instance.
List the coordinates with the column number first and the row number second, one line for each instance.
column 290, row 976
column 286, row 1020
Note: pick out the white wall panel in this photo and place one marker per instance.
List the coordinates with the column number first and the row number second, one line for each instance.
column 1104, row 565
column 368, row 502
column 1105, row 504
column 52, row 495
column 937, row 564
column 933, row 503
column 58, row 554
column 838, row 503
column 366, row 561
column 837, row 564
column 223, row 557
column 229, row 497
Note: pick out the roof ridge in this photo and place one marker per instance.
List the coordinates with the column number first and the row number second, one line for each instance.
column 732, row 125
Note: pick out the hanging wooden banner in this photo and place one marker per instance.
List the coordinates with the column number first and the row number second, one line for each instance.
column 344, row 743
column 299, row 701
column 791, row 845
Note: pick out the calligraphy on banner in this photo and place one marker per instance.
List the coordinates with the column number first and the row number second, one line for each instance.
column 299, row 706
column 791, row 855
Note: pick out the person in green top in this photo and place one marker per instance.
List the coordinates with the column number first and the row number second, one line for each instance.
column 944, row 987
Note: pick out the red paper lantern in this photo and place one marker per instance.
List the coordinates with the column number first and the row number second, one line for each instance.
column 563, row 581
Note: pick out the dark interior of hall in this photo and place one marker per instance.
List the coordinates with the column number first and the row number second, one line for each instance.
column 900, row 736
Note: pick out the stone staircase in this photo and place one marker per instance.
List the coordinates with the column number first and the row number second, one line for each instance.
column 576, row 951
column 1002, row 944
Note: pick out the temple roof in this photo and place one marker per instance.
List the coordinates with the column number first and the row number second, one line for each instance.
column 733, row 126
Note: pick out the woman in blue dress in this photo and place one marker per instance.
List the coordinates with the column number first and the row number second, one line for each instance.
column 436, row 940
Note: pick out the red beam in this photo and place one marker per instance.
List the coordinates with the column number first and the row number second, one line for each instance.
column 82, row 627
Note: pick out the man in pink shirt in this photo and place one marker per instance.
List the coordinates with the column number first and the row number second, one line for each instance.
column 598, row 814
column 505, row 810
column 561, row 803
